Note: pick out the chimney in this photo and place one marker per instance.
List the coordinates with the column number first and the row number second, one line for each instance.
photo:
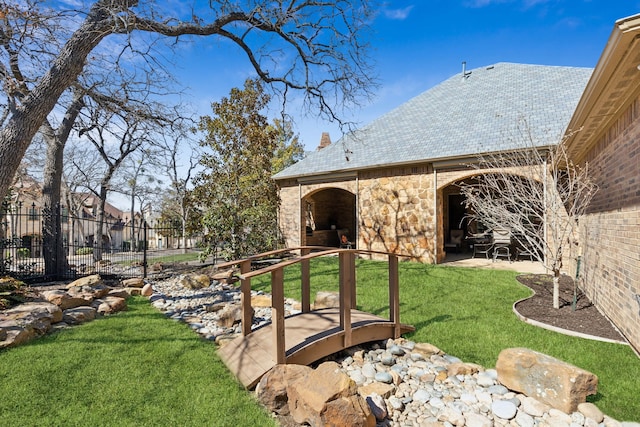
column 325, row 141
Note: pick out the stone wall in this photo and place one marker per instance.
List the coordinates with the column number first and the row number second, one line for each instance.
column 611, row 230
column 396, row 212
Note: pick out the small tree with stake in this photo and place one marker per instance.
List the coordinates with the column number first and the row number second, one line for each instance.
column 537, row 193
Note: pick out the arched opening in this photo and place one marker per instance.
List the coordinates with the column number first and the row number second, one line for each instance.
column 498, row 233
column 327, row 214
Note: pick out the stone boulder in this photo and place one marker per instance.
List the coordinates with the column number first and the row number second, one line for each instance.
column 36, row 310
column 547, row 379
column 230, row 315
column 64, row 300
column 195, row 281
column 91, row 280
column 147, row 290
column 328, row 397
column 326, row 300
column 135, row 282
column 226, row 276
column 15, row 333
column 271, row 391
column 77, row 315
column 109, row 304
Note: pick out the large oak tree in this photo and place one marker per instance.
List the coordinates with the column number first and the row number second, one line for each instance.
column 316, row 48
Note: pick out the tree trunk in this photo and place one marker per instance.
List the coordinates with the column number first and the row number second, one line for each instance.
column 25, row 121
column 52, row 242
column 556, row 288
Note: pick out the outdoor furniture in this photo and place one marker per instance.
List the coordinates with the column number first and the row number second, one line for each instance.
column 482, row 244
column 455, row 240
column 501, row 243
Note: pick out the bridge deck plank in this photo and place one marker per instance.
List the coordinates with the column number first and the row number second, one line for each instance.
column 308, row 337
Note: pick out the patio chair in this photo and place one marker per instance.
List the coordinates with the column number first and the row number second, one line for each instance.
column 501, row 243
column 482, row 244
column 455, row 240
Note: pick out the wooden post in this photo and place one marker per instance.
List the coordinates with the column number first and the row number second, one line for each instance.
column 245, row 299
column 394, row 295
column 352, row 275
column 346, row 279
column 277, row 315
column 305, row 275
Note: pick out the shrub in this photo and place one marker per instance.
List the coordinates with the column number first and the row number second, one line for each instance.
column 84, row 251
column 24, row 253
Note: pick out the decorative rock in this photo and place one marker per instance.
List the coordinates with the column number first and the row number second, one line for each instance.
column 524, row 420
column 590, row 410
column 384, row 377
column 460, row 368
column 554, row 382
column 16, row 334
column 421, row 396
column 119, row 292
column 504, row 409
column 79, row 315
column 109, row 305
column 534, row 407
column 63, row 300
column 426, row 349
column 271, row 391
column 261, row 301
column 147, row 290
column 326, row 300
column 331, row 401
column 378, row 406
column 477, row 420
column 381, row 389
column 136, row 282
column 195, row 281
column 230, row 315
column 90, row 281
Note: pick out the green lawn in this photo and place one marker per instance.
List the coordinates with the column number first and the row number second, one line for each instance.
column 139, row 368
column 135, row 368
column 468, row 313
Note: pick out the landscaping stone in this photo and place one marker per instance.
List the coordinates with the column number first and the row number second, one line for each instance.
column 77, row 315
column 326, row 300
column 135, row 282
column 552, row 381
column 422, row 393
column 64, row 300
column 272, row 388
column 332, row 400
column 90, row 281
column 195, row 281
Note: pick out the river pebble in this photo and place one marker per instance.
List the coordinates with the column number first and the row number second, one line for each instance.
column 422, row 391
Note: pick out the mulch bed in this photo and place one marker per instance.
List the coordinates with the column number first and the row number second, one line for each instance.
column 585, row 318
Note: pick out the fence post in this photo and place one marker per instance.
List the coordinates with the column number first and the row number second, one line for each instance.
column 144, row 250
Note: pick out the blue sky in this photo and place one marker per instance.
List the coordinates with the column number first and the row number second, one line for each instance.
column 418, row 44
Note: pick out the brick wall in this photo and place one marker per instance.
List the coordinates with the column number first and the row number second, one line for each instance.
column 610, row 233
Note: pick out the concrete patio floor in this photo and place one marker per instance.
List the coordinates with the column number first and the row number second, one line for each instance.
column 465, row 260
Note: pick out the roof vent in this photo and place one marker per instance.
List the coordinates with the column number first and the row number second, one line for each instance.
column 465, row 73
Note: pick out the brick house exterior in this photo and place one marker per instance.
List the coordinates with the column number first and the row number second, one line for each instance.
column 609, row 116
column 392, row 184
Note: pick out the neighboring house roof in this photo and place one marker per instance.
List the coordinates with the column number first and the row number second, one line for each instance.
column 461, row 116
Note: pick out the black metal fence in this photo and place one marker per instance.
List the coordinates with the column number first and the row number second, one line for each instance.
column 123, row 249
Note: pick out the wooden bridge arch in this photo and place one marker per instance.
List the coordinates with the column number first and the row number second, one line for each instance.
column 312, row 334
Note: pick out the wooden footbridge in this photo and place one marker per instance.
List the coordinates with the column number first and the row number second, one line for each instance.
column 312, row 334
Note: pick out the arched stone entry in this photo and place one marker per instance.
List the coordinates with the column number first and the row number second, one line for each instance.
column 454, row 217
column 325, row 213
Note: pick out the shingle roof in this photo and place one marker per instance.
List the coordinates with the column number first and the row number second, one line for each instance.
column 459, row 117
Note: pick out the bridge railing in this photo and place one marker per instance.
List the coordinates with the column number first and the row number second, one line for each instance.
column 347, row 289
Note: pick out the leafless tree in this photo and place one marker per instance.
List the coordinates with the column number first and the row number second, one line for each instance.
column 316, row 48
column 537, row 193
column 179, row 161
